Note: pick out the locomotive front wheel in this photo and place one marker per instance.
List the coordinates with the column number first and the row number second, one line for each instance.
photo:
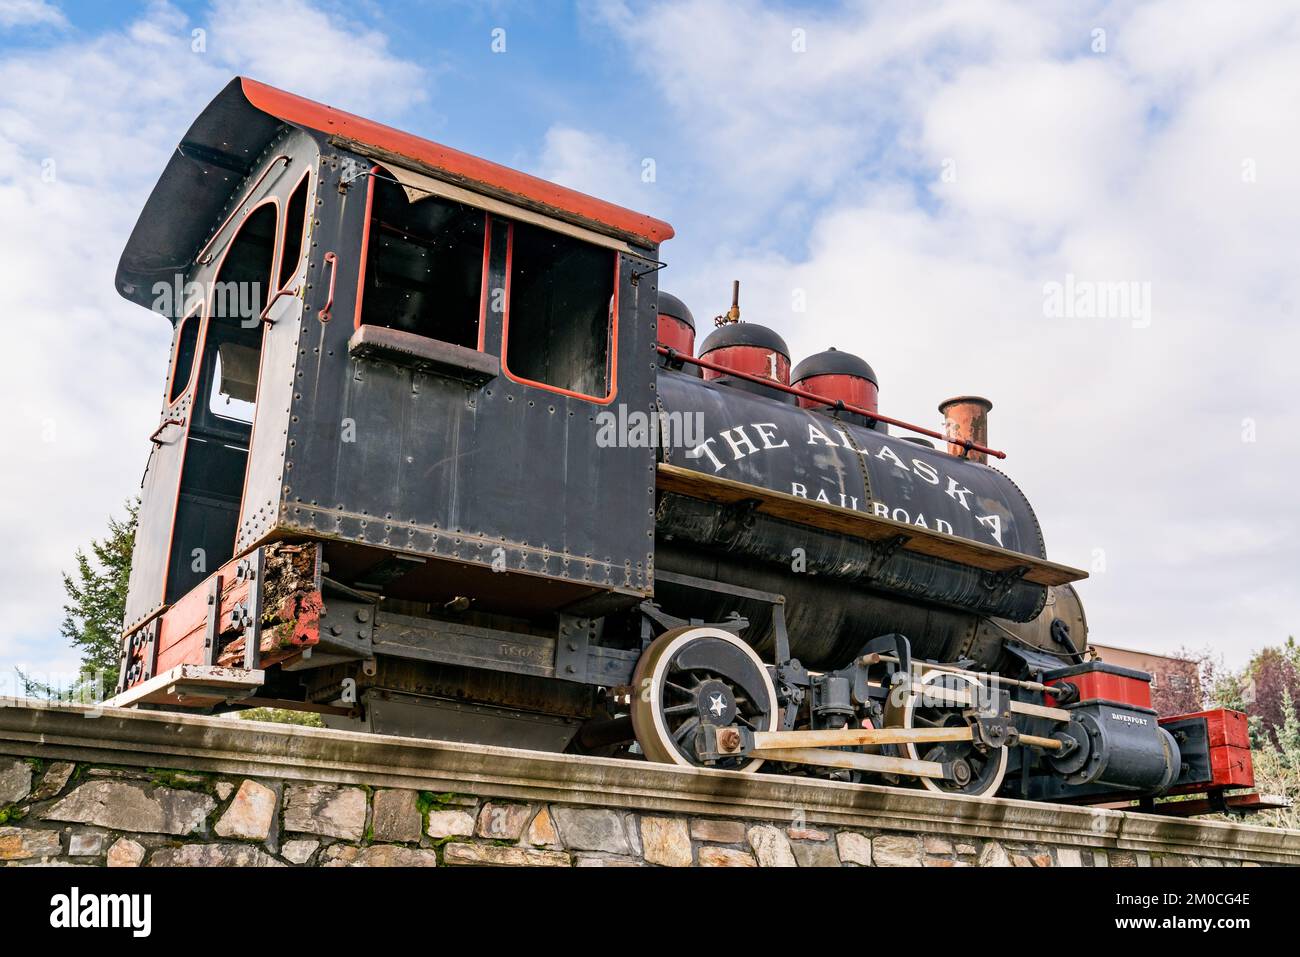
column 693, row 676
column 982, row 771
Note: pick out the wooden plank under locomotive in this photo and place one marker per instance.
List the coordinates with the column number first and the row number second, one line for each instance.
column 394, row 483
column 872, row 528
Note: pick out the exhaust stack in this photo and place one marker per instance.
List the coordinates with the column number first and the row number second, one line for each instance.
column 966, row 418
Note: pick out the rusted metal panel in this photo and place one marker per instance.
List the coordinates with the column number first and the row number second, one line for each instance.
column 291, row 603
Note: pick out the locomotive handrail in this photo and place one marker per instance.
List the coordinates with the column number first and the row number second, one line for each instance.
column 266, row 313
column 332, row 261
column 676, row 356
column 155, row 438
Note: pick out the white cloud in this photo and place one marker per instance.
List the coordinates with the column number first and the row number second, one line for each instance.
column 781, row 103
column 295, row 45
column 599, row 166
column 85, row 129
column 1035, row 143
column 1120, row 166
column 27, row 13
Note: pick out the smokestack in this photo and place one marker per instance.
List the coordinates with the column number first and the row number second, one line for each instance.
column 966, row 418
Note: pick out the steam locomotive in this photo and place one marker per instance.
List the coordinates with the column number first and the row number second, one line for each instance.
column 436, row 457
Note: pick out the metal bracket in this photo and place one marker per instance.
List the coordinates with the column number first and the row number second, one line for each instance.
column 348, row 627
column 575, row 637
column 351, row 170
column 884, row 550
column 250, row 570
column 145, row 641
column 674, row 361
column 991, row 726
column 653, row 616
column 736, row 519
column 779, row 632
column 791, row 681
column 151, row 650
column 999, row 583
column 895, row 643
column 212, row 629
column 635, row 277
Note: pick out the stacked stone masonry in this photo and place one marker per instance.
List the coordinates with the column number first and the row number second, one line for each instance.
column 122, row 814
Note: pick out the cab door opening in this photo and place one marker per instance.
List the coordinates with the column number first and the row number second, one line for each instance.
column 216, row 453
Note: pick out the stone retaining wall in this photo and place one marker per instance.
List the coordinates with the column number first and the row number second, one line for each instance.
column 125, row 788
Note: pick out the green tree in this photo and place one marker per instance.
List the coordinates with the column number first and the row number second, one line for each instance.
column 96, row 607
column 1277, row 768
column 307, row 719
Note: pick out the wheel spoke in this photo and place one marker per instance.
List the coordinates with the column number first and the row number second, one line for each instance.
column 686, row 728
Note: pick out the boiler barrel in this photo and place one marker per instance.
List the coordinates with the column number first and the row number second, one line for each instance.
column 857, row 589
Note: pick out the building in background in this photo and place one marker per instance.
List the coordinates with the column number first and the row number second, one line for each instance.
column 1175, row 680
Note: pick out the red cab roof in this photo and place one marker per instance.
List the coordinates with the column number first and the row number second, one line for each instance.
column 223, row 143
column 468, row 170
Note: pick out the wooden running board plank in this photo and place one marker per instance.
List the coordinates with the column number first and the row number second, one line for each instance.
column 872, row 528
column 193, row 685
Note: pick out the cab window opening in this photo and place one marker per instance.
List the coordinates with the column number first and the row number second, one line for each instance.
column 234, row 382
column 560, row 314
column 424, row 265
column 187, row 342
column 295, row 231
column 241, row 287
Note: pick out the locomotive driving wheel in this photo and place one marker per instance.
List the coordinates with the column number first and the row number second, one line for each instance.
column 980, row 770
column 693, row 676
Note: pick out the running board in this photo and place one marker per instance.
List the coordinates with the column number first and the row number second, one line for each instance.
column 192, row 686
column 863, row 525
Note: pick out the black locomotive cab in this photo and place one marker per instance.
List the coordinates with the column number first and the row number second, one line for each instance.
column 397, row 479
column 390, row 362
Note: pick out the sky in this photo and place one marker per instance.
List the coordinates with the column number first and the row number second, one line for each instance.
column 950, row 189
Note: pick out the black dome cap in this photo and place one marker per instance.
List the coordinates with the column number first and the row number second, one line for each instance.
column 745, row 334
column 670, row 305
column 834, row 362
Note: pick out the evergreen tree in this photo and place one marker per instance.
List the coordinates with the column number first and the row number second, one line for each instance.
column 97, row 597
